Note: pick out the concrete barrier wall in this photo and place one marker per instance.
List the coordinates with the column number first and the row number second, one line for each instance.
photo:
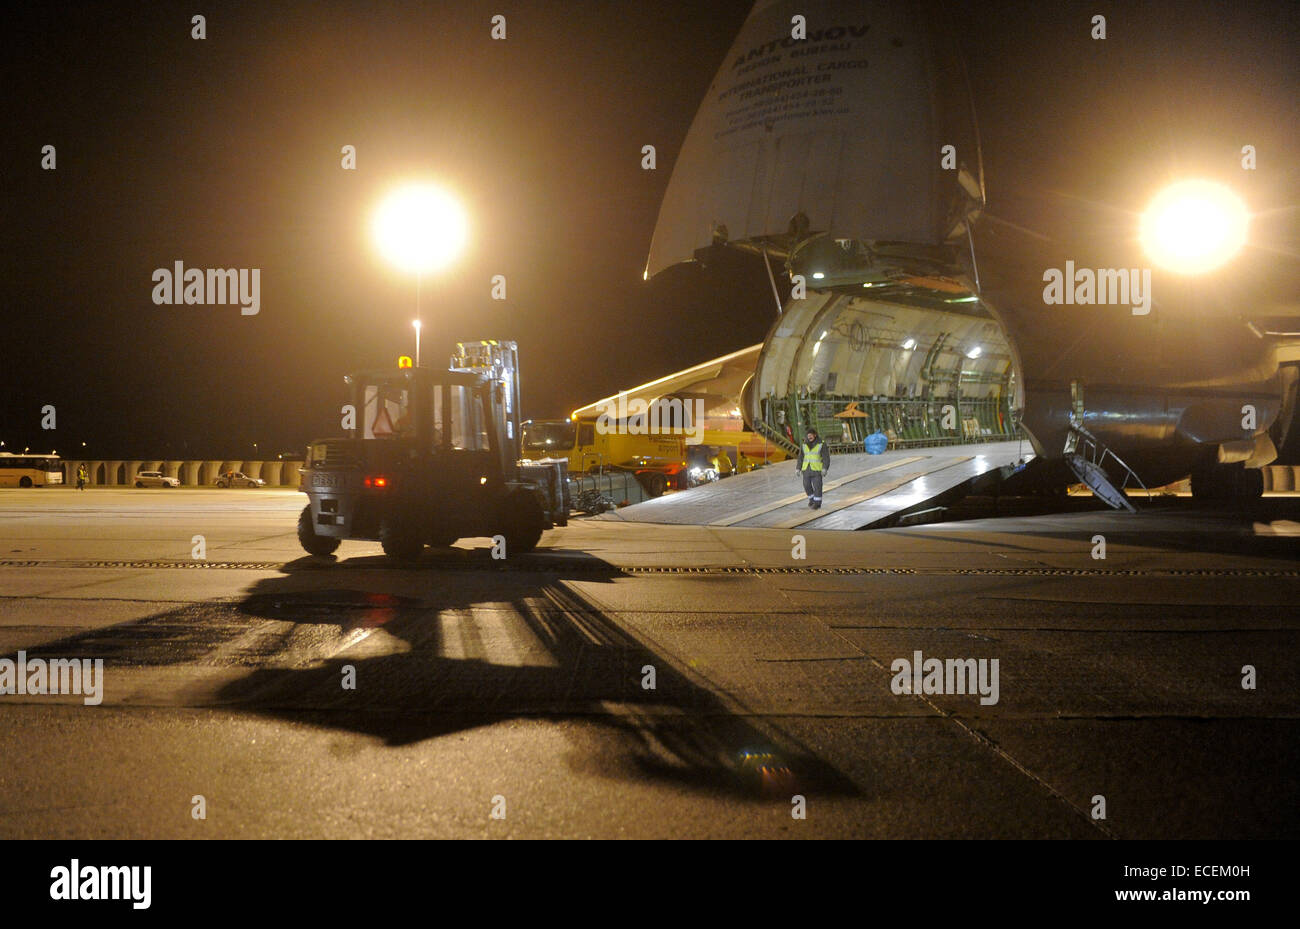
column 191, row 472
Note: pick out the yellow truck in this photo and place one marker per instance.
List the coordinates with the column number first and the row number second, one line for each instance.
column 658, row 460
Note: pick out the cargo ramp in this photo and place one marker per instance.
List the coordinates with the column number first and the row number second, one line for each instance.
column 862, row 491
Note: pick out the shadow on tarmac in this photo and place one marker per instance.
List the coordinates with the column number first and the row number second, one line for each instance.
column 579, row 665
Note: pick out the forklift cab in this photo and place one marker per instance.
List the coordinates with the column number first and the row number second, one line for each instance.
column 446, row 414
column 444, row 427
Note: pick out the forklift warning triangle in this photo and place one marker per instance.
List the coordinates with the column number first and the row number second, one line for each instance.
column 383, row 426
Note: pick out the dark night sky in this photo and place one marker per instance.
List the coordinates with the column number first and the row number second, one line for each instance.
column 225, row 153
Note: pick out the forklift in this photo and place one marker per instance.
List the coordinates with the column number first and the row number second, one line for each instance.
column 431, row 457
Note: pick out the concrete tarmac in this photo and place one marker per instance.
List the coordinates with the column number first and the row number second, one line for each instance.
column 635, row 680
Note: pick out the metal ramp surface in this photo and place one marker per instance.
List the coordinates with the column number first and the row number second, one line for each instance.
column 862, row 490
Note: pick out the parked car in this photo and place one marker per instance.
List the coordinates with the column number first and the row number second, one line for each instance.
column 238, row 479
column 155, row 479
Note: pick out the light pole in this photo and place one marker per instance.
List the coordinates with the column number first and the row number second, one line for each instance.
column 419, row 228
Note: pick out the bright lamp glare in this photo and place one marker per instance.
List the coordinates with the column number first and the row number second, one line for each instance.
column 420, row 228
column 1194, row 226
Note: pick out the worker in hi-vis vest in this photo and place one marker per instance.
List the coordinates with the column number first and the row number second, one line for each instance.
column 814, row 462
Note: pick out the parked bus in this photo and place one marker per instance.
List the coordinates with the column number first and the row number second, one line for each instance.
column 29, row 470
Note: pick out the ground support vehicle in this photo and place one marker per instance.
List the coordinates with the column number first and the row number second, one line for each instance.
column 431, row 457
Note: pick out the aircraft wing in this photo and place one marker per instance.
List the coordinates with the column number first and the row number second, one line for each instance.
column 718, row 382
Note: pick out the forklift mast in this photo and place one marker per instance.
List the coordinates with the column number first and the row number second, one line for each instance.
column 498, row 361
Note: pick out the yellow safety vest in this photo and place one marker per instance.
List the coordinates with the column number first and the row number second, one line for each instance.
column 812, row 457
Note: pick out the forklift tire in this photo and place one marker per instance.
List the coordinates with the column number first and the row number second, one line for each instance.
column 1204, row 484
column 314, row 544
column 1251, row 485
column 1227, row 482
column 401, row 541
column 523, row 524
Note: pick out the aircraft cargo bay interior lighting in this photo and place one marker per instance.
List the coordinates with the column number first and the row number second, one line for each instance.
column 1194, row 226
column 909, row 344
column 975, row 352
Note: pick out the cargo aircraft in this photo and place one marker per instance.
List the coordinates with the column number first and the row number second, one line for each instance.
column 1132, row 347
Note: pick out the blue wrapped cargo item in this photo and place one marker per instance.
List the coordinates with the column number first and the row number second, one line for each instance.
column 876, row 443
